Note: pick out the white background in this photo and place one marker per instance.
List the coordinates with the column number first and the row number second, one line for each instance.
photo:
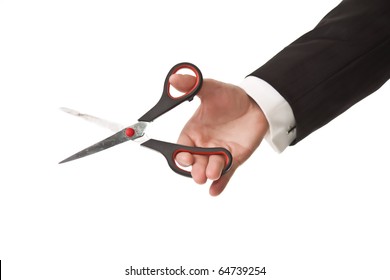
column 320, row 210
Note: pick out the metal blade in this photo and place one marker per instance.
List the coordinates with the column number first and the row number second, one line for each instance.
column 118, row 138
column 100, row 122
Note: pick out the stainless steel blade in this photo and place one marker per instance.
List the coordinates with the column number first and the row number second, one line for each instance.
column 118, row 138
column 98, row 121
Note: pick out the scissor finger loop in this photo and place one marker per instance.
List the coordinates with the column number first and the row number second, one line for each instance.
column 193, row 90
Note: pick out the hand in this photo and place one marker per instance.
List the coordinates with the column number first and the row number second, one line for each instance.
column 227, row 117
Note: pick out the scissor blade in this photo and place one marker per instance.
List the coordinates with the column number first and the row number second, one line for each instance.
column 117, row 138
column 100, row 122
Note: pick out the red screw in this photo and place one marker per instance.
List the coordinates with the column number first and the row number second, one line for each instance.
column 130, row 132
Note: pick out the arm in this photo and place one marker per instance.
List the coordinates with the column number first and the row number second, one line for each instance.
column 342, row 60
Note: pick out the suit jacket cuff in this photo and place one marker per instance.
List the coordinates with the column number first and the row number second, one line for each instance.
column 276, row 109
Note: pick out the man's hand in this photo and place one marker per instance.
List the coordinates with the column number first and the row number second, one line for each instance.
column 227, row 117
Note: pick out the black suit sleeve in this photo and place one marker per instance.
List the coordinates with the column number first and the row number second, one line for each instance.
column 343, row 59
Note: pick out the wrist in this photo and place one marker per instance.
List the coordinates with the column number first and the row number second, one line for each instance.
column 281, row 122
column 253, row 105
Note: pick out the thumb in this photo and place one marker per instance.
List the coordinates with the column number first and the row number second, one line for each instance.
column 182, row 82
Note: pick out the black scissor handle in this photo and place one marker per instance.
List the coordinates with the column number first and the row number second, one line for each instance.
column 170, row 150
column 167, row 101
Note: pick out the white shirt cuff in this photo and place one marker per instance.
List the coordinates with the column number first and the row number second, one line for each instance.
column 278, row 112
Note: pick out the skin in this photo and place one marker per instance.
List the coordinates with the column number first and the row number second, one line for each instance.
column 227, row 117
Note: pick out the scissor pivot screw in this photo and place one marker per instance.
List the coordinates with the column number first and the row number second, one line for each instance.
column 129, row 132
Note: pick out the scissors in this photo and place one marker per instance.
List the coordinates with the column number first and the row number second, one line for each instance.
column 169, row 150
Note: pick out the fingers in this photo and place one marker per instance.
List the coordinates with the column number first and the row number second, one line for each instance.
column 206, row 168
column 184, row 159
column 198, row 171
column 215, row 166
column 197, row 163
column 219, row 185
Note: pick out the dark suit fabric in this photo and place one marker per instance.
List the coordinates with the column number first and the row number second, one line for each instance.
column 342, row 60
